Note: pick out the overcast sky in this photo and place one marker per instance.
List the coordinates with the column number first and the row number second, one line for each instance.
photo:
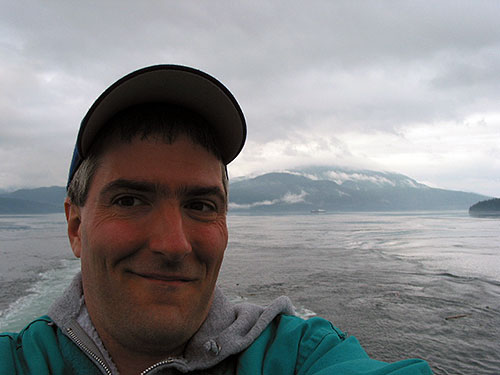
column 402, row 86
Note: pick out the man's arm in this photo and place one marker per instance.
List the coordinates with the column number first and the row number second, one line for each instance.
column 291, row 345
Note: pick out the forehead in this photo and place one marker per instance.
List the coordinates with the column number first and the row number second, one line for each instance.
column 182, row 161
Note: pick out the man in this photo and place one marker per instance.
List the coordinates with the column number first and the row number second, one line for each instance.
column 146, row 213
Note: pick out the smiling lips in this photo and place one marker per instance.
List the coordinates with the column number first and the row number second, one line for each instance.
column 165, row 277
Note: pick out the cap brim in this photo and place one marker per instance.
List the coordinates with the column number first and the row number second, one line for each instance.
column 175, row 85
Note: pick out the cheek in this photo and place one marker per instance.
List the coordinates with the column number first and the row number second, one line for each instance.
column 211, row 243
column 111, row 240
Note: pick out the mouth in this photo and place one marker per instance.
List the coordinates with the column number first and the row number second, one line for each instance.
column 167, row 278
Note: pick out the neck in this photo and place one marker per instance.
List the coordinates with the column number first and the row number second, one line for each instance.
column 132, row 361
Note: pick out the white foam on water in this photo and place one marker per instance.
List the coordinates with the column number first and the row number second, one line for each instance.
column 39, row 298
column 304, row 313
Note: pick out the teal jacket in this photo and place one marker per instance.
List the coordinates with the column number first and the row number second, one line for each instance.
column 289, row 345
column 243, row 339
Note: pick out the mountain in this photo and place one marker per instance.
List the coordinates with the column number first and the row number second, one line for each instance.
column 300, row 190
column 52, row 195
column 340, row 189
column 488, row 208
column 33, row 201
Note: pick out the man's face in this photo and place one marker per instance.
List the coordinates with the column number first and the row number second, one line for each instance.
column 151, row 238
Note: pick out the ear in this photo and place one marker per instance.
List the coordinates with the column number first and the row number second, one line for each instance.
column 73, row 218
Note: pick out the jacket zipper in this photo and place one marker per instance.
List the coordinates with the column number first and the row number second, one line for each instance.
column 158, row 364
column 89, row 352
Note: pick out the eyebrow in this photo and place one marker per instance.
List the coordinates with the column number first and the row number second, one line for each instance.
column 123, row 184
column 152, row 187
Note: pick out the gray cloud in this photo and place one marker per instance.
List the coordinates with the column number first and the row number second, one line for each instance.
column 321, row 70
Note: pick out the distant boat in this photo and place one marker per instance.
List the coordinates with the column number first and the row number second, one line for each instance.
column 318, row 211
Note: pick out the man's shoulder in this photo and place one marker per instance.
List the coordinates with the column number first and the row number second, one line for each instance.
column 39, row 348
column 296, row 331
column 28, row 348
column 39, row 328
column 288, row 341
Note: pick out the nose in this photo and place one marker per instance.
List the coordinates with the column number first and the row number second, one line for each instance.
column 168, row 235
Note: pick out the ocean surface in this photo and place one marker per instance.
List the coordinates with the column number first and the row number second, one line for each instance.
column 423, row 284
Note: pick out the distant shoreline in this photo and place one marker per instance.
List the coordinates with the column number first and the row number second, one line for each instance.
column 486, row 209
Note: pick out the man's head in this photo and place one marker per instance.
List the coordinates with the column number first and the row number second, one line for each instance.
column 146, row 206
column 174, row 85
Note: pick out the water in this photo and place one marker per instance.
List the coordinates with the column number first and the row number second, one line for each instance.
column 405, row 284
column 36, row 263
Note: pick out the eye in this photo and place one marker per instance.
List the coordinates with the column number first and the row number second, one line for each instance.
column 202, row 207
column 128, row 201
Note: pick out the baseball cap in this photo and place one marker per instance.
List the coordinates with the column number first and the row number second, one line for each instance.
column 176, row 85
